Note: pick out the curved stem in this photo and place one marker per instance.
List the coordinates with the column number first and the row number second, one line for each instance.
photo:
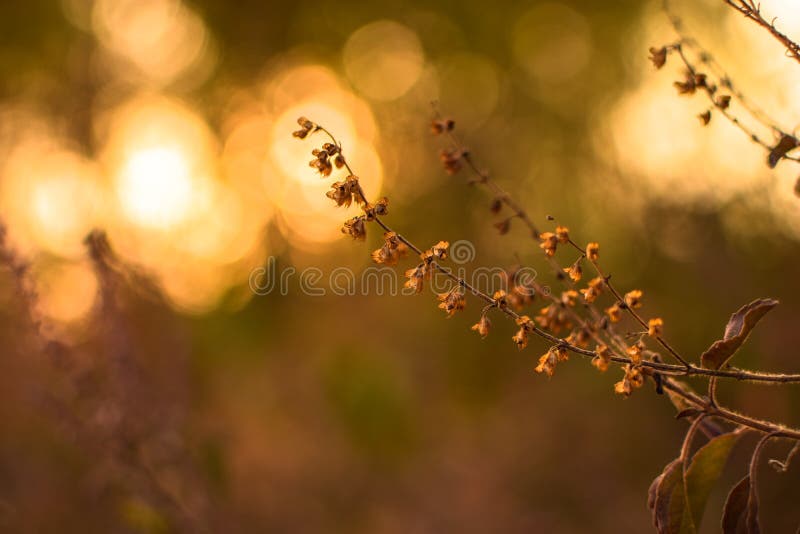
column 666, row 369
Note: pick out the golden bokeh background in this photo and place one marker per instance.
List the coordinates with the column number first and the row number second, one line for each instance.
column 167, row 124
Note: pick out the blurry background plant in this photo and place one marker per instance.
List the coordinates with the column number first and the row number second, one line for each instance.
column 140, row 392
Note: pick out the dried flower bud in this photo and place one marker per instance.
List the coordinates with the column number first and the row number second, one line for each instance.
column 594, row 290
column 321, row 162
column 705, row 117
column 524, row 321
column 658, row 56
column 341, row 193
column 723, row 101
column 503, row 226
column 439, row 250
column 380, row 208
column 555, row 317
column 700, row 80
column 439, row 126
column 416, row 276
column 483, row 326
column 306, row 127
column 452, row 301
column 633, row 380
column 688, row 86
column 569, row 298
column 593, row 251
column 614, row 313
column 562, row 233
column 496, row 206
column 549, row 243
column 549, row 360
column 339, row 161
column 574, row 271
column 521, row 338
column 633, row 299
column 602, row 359
column 785, row 144
column 392, row 250
column 635, row 353
column 655, row 327
column 355, row 227
column 451, row 160
column 501, row 299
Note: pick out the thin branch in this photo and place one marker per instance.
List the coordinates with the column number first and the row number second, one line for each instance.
column 753, row 12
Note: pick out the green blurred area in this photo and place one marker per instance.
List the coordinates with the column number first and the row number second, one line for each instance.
column 374, row 413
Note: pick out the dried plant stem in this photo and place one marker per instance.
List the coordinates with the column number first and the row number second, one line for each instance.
column 662, row 368
column 686, row 368
column 519, row 211
column 730, row 416
column 752, row 11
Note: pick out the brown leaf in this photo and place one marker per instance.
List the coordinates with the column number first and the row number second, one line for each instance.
column 704, row 471
column 740, row 515
column 667, row 500
column 736, row 332
column 786, row 143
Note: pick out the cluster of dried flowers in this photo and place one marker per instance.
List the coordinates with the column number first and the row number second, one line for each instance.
column 576, row 311
column 561, row 313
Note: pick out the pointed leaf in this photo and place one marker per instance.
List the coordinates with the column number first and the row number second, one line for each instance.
column 704, row 470
column 740, row 515
column 670, row 511
column 736, row 332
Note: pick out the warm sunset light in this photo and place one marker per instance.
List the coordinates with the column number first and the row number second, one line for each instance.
column 53, row 195
column 422, row 266
column 155, row 187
